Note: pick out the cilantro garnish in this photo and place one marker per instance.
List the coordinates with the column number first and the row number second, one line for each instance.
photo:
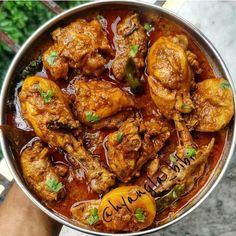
column 93, row 217
column 139, row 215
column 99, row 17
column 51, row 58
column 92, row 117
column 119, row 137
column 133, row 50
column 185, row 106
column 190, row 152
column 53, row 185
column 47, row 96
column 172, row 158
column 224, row 85
column 148, row 27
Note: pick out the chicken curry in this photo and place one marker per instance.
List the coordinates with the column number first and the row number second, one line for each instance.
column 128, row 119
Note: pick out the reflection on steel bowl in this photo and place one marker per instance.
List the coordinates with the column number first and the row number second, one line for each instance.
column 123, row 115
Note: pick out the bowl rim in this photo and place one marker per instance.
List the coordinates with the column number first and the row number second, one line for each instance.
column 57, row 19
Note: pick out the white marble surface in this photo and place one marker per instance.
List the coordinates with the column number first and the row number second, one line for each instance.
column 217, row 215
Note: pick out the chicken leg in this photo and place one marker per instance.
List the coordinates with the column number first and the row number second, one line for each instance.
column 45, row 108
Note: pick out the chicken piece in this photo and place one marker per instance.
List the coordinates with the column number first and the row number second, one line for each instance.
column 43, row 104
column 184, row 137
column 131, row 35
column 40, row 175
column 96, row 100
column 170, row 75
column 55, row 63
column 170, row 79
column 86, row 212
column 187, row 175
column 115, row 121
column 214, row 105
column 153, row 167
column 81, row 45
column 136, row 142
column 192, row 59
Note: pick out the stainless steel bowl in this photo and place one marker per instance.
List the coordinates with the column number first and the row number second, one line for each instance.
column 38, row 38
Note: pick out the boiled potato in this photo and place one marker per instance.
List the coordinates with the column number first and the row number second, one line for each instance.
column 127, row 208
column 214, row 105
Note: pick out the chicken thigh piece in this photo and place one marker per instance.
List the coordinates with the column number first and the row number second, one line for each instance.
column 136, row 142
column 39, row 173
column 97, row 100
column 131, row 41
column 45, row 108
column 188, row 175
column 81, row 45
column 170, row 75
column 214, row 105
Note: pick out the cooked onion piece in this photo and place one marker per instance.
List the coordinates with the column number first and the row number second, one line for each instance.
column 214, row 105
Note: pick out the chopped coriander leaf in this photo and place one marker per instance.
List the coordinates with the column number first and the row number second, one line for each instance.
column 99, row 17
column 33, row 63
column 38, row 87
column 185, row 106
column 190, row 152
column 51, row 58
column 91, row 117
column 172, row 158
column 53, row 185
column 119, row 137
column 139, row 215
column 224, row 85
column 133, row 50
column 93, row 217
column 148, row 27
column 47, row 96
column 81, row 159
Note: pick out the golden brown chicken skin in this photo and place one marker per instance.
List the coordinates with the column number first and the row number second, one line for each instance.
column 40, row 175
column 131, row 36
column 133, row 145
column 214, row 106
column 170, row 75
column 81, row 45
column 97, row 100
column 45, row 108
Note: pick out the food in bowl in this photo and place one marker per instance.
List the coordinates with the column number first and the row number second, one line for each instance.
column 129, row 119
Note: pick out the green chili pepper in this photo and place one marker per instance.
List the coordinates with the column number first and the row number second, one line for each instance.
column 131, row 76
column 171, row 197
